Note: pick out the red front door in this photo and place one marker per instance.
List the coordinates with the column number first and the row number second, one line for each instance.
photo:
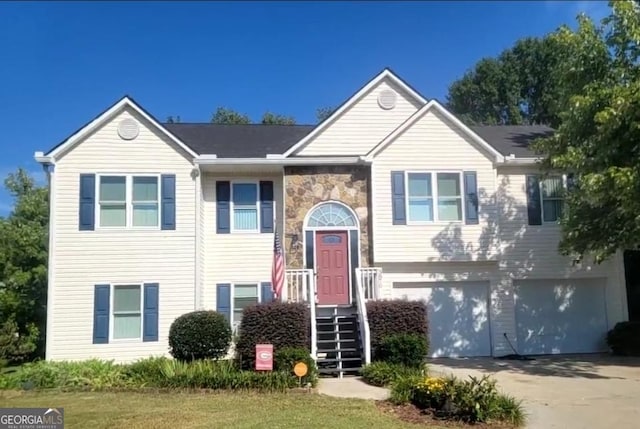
column 332, row 259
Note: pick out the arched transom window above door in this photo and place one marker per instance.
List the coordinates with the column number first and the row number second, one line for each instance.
column 331, row 214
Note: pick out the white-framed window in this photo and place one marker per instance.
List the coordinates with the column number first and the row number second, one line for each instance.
column 243, row 295
column 434, row 196
column 126, row 201
column 552, row 196
column 126, row 311
column 245, row 207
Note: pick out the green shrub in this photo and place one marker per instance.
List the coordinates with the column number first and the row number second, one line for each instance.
column 403, row 349
column 402, row 389
column 286, row 358
column 199, row 335
column 624, row 339
column 146, row 372
column 474, row 401
column 391, row 317
column 384, row 373
column 281, row 324
column 16, row 346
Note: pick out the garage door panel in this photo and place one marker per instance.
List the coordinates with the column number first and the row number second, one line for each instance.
column 458, row 314
column 560, row 316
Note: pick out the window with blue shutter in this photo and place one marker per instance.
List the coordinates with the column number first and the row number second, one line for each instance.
column 101, row 303
column 266, row 206
column 471, row 197
column 150, row 312
column 223, row 300
column 87, row 212
column 168, row 201
column 534, row 210
column 223, row 207
column 398, row 198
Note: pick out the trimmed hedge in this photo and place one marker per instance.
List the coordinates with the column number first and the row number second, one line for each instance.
column 624, row 339
column 285, row 325
column 393, row 317
column 199, row 335
column 403, row 349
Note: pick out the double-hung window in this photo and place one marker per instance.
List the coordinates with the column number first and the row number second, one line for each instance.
column 420, row 197
column 245, row 207
column 244, row 295
column 449, row 197
column 552, row 194
column 128, row 201
column 127, row 312
column 445, row 195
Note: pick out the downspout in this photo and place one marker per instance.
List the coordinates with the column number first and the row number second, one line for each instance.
column 198, row 269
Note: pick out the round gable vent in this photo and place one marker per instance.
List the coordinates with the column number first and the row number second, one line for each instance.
column 387, row 99
column 128, row 129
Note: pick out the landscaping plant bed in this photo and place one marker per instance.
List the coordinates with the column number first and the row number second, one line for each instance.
column 411, row 414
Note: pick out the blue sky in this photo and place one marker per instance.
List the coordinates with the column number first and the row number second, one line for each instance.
column 62, row 63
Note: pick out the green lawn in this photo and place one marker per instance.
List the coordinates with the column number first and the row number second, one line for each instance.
column 207, row 410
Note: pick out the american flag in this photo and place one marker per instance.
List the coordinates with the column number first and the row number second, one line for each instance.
column 277, row 271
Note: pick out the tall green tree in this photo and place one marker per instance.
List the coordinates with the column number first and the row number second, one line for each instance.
column 224, row 115
column 598, row 137
column 274, row 119
column 23, row 269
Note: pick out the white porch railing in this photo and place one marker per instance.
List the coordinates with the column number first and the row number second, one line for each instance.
column 371, row 279
column 365, row 335
column 300, row 286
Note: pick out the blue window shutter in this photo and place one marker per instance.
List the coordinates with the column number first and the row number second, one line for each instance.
column 398, row 198
column 308, row 249
column 223, row 207
column 150, row 312
column 266, row 206
column 534, row 209
column 223, row 300
column 101, row 303
column 471, row 197
column 87, row 211
column 168, row 201
column 267, row 292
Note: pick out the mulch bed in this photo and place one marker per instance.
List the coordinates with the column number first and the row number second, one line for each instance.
column 410, row 413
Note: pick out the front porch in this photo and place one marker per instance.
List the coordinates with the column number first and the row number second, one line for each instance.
column 340, row 338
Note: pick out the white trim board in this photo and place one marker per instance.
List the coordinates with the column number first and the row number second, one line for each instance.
column 104, row 117
column 433, row 104
column 385, row 74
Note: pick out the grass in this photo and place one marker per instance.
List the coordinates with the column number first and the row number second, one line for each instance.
column 206, row 410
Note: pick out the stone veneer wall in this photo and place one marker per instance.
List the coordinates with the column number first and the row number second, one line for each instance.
column 307, row 186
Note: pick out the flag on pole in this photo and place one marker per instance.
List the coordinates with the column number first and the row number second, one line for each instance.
column 277, row 271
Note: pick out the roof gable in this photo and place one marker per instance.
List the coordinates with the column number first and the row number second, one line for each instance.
column 488, row 149
column 104, row 117
column 386, row 74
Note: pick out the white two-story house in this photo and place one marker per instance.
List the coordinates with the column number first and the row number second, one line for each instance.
column 390, row 197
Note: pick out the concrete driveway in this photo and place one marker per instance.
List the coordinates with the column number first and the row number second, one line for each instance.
column 577, row 391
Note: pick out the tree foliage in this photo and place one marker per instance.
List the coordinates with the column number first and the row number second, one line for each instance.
column 598, row 137
column 274, row 119
column 323, row 113
column 223, row 115
column 23, row 268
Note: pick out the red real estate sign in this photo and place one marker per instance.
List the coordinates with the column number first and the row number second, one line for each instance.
column 264, row 357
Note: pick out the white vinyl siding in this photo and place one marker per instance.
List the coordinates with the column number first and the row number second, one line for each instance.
column 240, row 258
column 357, row 130
column 433, row 145
column 83, row 259
column 127, row 312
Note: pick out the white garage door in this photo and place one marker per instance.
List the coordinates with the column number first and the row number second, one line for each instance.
column 560, row 316
column 458, row 315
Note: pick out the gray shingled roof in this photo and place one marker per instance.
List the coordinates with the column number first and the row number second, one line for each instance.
column 239, row 141
column 512, row 139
